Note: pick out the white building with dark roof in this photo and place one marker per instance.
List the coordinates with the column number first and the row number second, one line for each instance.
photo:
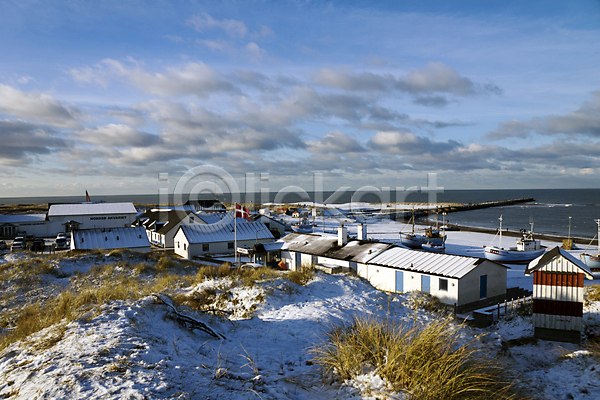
column 465, row 282
column 132, row 238
column 219, row 238
column 12, row 225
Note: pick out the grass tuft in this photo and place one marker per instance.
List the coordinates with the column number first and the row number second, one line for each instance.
column 424, row 362
column 301, row 277
column 592, row 293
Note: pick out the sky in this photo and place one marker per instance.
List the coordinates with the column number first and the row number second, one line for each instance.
column 106, row 95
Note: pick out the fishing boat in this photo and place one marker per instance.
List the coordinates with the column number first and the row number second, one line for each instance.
column 303, row 227
column 416, row 241
column 434, row 248
column 593, row 260
column 527, row 249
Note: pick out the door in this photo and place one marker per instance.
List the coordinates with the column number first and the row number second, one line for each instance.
column 483, row 286
column 298, row 262
column 425, row 283
column 399, row 281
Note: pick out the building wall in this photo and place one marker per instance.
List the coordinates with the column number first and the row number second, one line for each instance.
column 468, row 286
column 333, row 261
column 189, row 251
column 384, row 278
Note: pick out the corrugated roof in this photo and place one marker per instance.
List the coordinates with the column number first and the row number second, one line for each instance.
column 223, row 231
column 212, row 218
column 59, row 210
column 326, row 246
column 110, row 238
column 430, row 263
column 555, row 252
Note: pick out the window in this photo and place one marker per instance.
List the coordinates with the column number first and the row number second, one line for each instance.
column 192, row 219
column 177, row 244
column 184, row 247
column 444, row 284
column 230, row 245
column 205, row 247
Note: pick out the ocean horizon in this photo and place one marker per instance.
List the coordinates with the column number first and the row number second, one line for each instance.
column 549, row 212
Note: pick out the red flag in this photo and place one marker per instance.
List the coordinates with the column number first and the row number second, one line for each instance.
column 87, row 196
column 241, row 211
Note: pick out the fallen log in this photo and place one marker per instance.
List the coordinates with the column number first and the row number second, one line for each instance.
column 185, row 320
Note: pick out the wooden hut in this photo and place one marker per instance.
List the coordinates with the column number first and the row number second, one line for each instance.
column 558, row 295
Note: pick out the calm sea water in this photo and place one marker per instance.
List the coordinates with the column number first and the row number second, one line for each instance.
column 550, row 213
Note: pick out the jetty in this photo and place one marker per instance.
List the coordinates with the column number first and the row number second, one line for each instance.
column 477, row 206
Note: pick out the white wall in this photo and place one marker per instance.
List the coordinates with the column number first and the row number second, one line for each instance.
column 468, row 286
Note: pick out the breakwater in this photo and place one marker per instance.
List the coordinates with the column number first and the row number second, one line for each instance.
column 467, row 207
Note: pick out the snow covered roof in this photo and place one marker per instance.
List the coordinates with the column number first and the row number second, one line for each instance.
column 212, row 218
column 110, row 238
column 18, row 218
column 59, row 210
column 430, row 263
column 557, row 252
column 326, row 246
column 223, row 231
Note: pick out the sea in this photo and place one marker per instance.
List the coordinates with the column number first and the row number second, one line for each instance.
column 563, row 212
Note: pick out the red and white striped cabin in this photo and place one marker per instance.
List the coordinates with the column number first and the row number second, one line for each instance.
column 558, row 295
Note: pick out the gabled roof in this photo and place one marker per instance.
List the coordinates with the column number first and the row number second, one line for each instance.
column 110, row 238
column 59, row 210
column 223, row 231
column 557, row 252
column 327, row 246
column 430, row 263
column 163, row 220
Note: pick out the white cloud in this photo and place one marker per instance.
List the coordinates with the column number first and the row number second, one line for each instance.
column 118, row 135
column 584, row 121
column 334, row 142
column 37, row 107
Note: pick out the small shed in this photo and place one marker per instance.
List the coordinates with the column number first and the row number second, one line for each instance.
column 558, row 295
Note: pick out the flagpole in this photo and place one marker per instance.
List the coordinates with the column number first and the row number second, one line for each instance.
column 235, row 234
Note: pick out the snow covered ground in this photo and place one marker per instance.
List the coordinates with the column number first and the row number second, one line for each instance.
column 138, row 350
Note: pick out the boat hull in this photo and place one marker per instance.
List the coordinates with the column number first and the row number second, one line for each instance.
column 302, row 228
column 511, row 256
column 417, row 241
column 592, row 261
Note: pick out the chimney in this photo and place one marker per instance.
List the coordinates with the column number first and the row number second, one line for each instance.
column 361, row 232
column 342, row 235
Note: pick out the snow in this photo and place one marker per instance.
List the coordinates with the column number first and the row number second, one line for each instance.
column 137, row 350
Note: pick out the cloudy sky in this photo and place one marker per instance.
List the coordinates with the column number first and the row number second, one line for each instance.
column 105, row 95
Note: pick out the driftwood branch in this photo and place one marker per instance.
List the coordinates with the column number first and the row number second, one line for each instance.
column 185, row 320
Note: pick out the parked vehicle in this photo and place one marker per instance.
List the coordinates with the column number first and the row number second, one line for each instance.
column 18, row 243
column 60, row 243
column 3, row 245
column 37, row 245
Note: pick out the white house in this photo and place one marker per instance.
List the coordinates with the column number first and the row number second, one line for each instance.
column 455, row 280
column 300, row 249
column 132, row 238
column 219, row 238
column 91, row 215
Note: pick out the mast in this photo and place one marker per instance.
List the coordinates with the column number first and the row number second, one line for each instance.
column 598, row 222
column 500, row 219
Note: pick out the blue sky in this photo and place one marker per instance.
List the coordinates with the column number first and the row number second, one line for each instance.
column 105, row 95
